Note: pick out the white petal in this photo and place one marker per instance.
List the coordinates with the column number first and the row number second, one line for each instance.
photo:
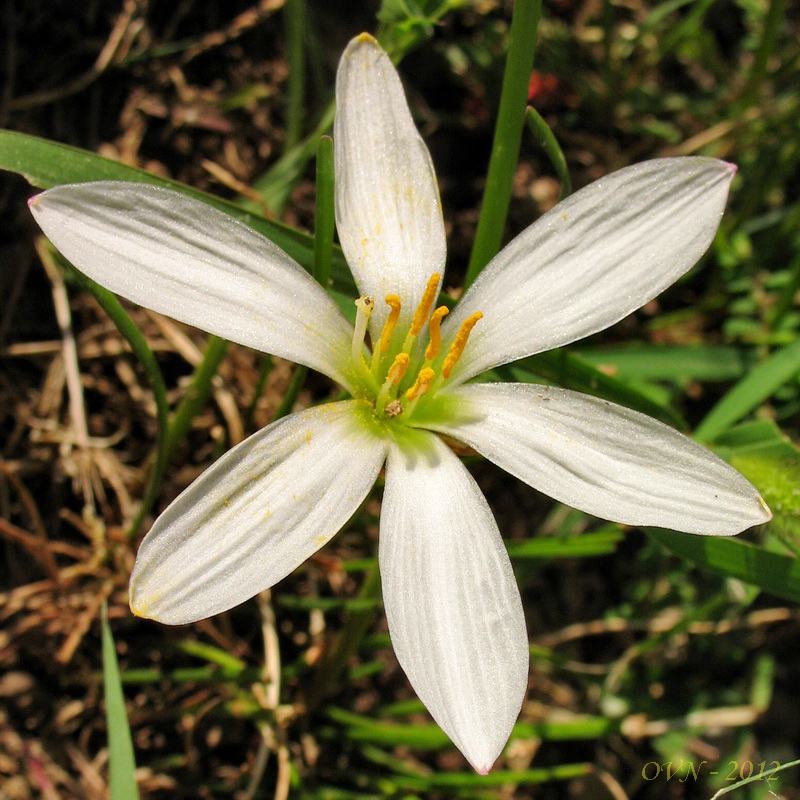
column 256, row 514
column 388, row 213
column 454, row 611
column 180, row 257
column 605, row 459
column 593, row 259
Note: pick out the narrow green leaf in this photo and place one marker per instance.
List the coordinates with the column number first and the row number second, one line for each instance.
column 121, row 762
column 679, row 363
column 735, row 558
column 507, row 136
column 431, row 737
column 773, row 25
column 208, row 652
column 768, row 777
column 500, row 777
column 588, row 544
column 197, row 393
column 547, row 139
column 276, row 184
column 565, row 369
column 765, row 379
column 292, row 392
column 295, row 15
column 324, row 222
column 771, row 462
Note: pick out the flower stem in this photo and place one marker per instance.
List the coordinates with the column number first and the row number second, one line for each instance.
column 197, row 394
column 507, row 136
column 324, row 222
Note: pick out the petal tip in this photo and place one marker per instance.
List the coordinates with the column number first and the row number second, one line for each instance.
column 731, row 168
column 766, row 512
column 139, row 607
column 362, row 40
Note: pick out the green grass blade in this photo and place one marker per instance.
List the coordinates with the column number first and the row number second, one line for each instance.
column 507, row 136
column 470, row 780
column 751, row 391
column 122, row 765
column 324, row 222
column 773, row 23
column 292, row 392
column 767, row 776
column 599, row 543
column 295, row 15
column 564, row 369
column 277, row 182
column 197, row 393
column 734, row 558
column 431, row 737
column 675, row 363
column 552, row 149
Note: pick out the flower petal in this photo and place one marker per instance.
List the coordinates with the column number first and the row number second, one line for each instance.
column 256, row 514
column 388, row 213
column 594, row 258
column 605, row 459
column 454, row 611
column 180, row 257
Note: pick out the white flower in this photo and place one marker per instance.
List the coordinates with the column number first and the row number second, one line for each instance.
column 453, row 607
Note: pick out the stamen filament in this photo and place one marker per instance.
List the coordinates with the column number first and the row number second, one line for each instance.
column 364, row 306
column 433, row 332
column 396, row 373
column 459, row 343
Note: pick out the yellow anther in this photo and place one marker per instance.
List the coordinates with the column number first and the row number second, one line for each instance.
column 433, row 331
column 460, row 342
column 393, row 301
column 421, row 385
column 424, row 307
column 398, row 368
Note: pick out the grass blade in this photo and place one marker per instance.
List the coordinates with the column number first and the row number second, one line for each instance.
column 324, row 222
column 751, row 391
column 552, row 149
column 122, row 765
column 734, row 558
column 507, row 136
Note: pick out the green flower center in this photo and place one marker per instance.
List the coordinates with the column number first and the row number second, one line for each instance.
column 403, row 374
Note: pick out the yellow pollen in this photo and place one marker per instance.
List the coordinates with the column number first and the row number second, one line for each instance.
column 398, row 368
column 421, row 385
column 393, row 301
column 424, row 307
column 457, row 348
column 434, row 334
